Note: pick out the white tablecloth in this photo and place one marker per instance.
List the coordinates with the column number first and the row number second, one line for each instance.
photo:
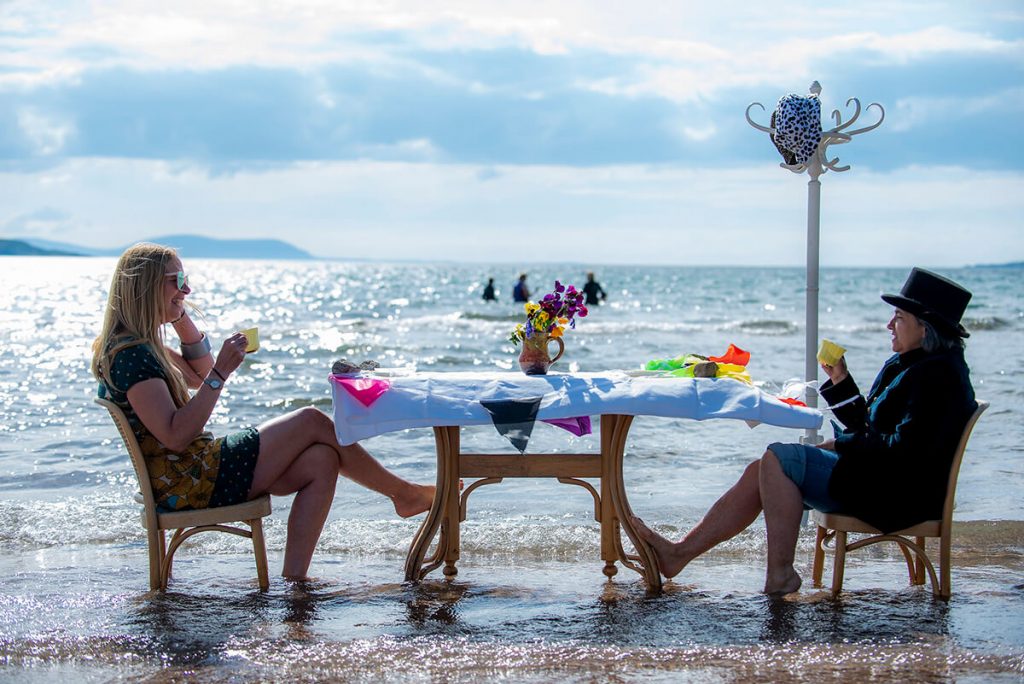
column 437, row 399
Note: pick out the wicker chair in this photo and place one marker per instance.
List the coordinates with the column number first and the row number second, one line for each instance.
column 832, row 525
column 186, row 523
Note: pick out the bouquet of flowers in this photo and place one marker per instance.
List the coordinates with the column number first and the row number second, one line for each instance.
column 550, row 316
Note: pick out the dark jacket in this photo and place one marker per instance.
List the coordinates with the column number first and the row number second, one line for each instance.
column 897, row 447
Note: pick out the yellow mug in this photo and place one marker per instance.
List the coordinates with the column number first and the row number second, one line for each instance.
column 252, row 337
column 829, row 353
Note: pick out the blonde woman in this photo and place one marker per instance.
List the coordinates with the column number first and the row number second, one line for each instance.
column 296, row 453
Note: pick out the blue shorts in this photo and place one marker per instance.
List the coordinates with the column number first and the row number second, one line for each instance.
column 810, row 469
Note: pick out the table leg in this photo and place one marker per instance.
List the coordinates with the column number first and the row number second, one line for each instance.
column 609, row 522
column 646, row 560
column 452, row 512
column 444, row 514
column 447, row 460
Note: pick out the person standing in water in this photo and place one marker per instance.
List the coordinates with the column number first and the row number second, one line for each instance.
column 520, row 292
column 594, row 292
column 489, row 291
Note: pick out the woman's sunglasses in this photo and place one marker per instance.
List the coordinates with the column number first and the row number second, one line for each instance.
column 181, row 279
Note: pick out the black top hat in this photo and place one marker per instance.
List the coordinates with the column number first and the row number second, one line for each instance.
column 933, row 298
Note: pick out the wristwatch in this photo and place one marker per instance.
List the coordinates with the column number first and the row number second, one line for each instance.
column 214, row 382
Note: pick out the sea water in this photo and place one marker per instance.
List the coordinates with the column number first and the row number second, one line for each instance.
column 529, row 602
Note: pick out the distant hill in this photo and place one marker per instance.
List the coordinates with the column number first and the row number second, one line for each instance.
column 22, row 248
column 190, row 246
column 198, row 247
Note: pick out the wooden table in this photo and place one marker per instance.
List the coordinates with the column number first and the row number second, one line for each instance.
column 448, row 401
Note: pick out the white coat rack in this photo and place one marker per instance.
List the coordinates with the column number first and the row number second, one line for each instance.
column 816, row 165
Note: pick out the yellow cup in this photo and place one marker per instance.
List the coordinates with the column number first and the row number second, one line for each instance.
column 829, row 353
column 252, row 336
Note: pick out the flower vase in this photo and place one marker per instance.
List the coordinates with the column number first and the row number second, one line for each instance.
column 535, row 359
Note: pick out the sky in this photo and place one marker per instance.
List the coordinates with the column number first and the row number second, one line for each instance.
column 515, row 132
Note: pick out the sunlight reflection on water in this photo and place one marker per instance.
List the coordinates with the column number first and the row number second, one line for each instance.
column 529, row 602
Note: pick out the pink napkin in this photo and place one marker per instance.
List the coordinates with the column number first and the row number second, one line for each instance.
column 365, row 390
column 578, row 426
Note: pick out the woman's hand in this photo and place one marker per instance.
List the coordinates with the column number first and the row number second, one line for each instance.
column 828, row 445
column 231, row 354
column 836, row 373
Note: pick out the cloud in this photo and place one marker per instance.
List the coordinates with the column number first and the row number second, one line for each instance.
column 563, row 82
column 404, row 150
column 726, row 46
column 921, row 111
column 46, row 134
column 542, row 117
column 42, row 222
column 611, row 214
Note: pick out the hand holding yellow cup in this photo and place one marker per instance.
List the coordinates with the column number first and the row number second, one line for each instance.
column 252, row 337
column 829, row 353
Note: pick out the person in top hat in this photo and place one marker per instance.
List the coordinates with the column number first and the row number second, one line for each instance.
column 888, row 466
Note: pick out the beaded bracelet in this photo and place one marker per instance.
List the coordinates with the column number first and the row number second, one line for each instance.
column 196, row 350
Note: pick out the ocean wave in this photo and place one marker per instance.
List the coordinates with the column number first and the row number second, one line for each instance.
column 764, row 327
column 986, row 323
column 34, row 525
column 481, row 316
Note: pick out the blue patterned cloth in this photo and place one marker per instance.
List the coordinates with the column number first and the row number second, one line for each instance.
column 797, row 124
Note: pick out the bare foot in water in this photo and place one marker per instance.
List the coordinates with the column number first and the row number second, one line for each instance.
column 787, row 584
column 417, row 503
column 670, row 560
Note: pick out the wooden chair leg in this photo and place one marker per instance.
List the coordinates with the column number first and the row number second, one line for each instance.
column 166, row 568
column 163, row 552
column 839, row 565
column 819, row 556
column 920, row 576
column 945, row 576
column 155, row 539
column 914, row 564
column 259, row 548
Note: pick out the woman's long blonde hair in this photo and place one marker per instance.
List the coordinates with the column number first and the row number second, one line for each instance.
column 134, row 315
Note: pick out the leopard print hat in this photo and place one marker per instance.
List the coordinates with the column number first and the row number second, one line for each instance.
column 797, row 124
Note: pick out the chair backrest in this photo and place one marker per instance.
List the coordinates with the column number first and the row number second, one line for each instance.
column 138, row 461
column 958, row 457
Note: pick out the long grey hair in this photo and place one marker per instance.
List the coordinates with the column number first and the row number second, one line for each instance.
column 937, row 340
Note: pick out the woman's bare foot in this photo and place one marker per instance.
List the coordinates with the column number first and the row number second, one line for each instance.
column 786, row 584
column 420, row 500
column 670, row 560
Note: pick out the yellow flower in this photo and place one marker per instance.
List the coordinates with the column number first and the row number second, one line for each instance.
column 530, row 308
column 563, row 321
column 555, row 332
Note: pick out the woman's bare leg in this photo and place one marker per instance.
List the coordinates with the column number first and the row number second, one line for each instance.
column 292, row 433
column 409, row 498
column 783, row 508
column 312, row 477
column 730, row 515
